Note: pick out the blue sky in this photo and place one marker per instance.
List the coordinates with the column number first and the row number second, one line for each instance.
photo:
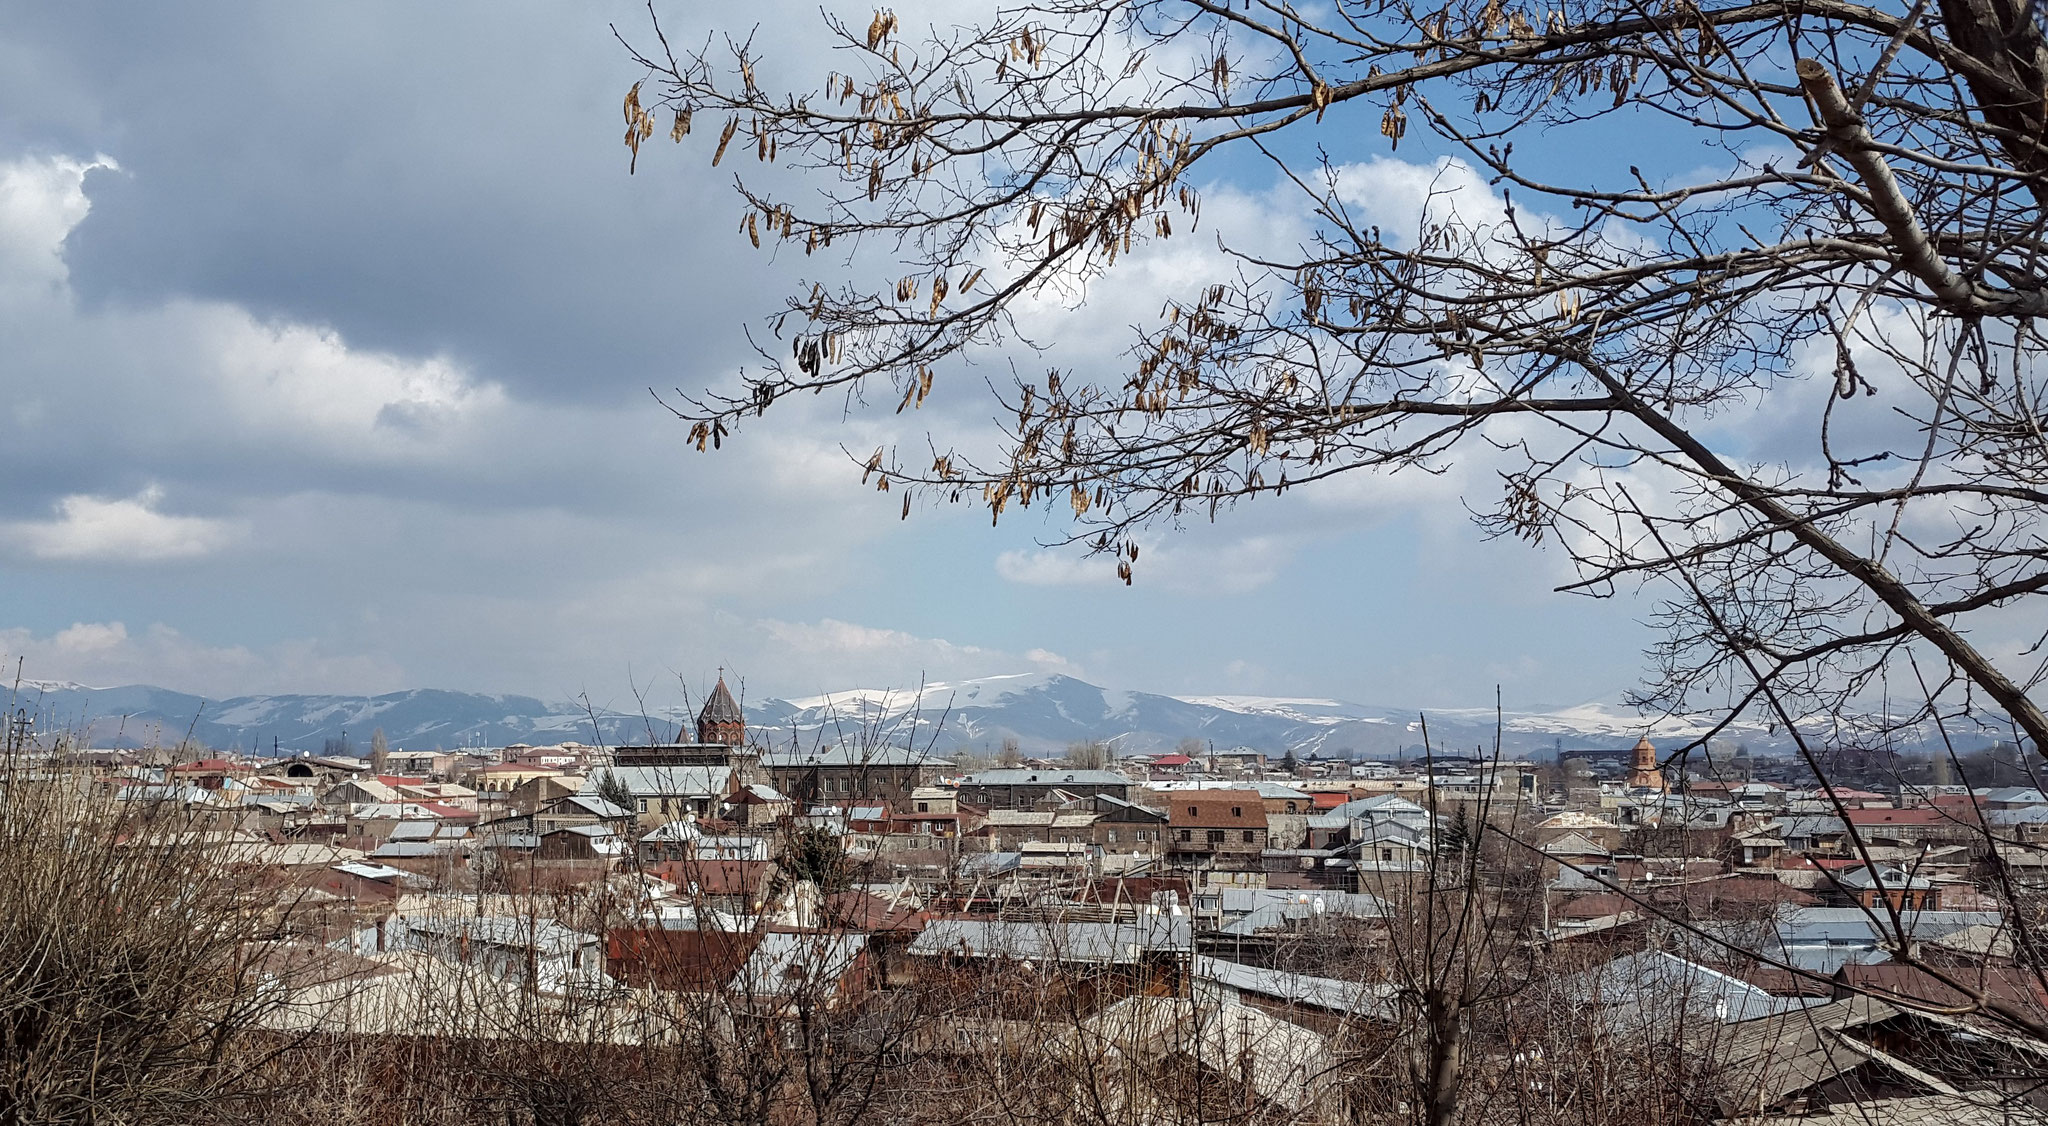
column 325, row 341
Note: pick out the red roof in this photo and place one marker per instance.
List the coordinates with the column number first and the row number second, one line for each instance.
column 865, row 912
column 1172, row 760
column 445, row 811
column 1597, row 905
column 715, row 877
column 1329, row 799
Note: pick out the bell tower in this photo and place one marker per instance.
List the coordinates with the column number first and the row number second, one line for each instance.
column 1643, row 773
column 721, row 721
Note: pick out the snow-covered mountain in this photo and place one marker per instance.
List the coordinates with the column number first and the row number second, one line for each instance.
column 1044, row 712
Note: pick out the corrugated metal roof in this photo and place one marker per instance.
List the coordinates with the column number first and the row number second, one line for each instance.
column 1056, row 940
column 1335, row 996
column 674, row 781
column 1051, row 777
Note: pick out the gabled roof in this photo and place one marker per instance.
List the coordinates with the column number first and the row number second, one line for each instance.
column 1575, row 844
column 758, row 793
column 593, row 805
column 1893, row 879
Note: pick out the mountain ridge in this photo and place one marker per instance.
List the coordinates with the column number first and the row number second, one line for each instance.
column 1044, row 712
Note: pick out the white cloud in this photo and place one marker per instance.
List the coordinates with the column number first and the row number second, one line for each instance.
column 119, row 530
column 1184, row 566
column 40, row 202
column 207, row 368
column 106, row 654
column 1054, row 567
column 833, row 654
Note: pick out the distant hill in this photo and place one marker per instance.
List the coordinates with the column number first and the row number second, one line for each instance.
column 1044, row 712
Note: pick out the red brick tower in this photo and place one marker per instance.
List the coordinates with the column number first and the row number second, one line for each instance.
column 721, row 721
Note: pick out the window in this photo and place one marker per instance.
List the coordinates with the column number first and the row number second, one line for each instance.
column 924, row 807
column 1237, row 811
column 1192, row 811
column 1250, row 837
column 1290, row 807
column 1112, row 836
column 1186, row 836
column 1386, row 854
column 643, row 805
column 1215, row 836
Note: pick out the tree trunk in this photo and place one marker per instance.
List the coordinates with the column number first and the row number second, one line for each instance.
column 1445, row 1012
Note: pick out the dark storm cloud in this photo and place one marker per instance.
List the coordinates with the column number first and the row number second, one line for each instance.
column 429, row 179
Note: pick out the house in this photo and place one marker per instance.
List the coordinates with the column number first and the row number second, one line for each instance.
column 1387, row 848
column 934, row 799
column 1354, row 819
column 666, row 793
column 1260, row 1066
column 578, row 809
column 853, row 774
column 1876, row 886
column 326, row 769
column 738, row 887
column 792, row 973
column 685, row 840
column 1006, row 829
column 1287, row 809
column 1125, row 826
column 1575, row 851
column 1908, row 826
column 1026, row 788
column 1249, row 911
column 2012, row 797
column 212, row 774
column 1216, row 829
column 362, row 882
column 581, row 842
column 758, row 805
column 1026, row 965
column 538, row 793
column 360, row 791
column 540, row 953
column 428, row 764
column 506, row 777
column 692, row 959
column 1291, row 995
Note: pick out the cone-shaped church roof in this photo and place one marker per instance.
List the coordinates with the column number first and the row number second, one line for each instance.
column 721, row 707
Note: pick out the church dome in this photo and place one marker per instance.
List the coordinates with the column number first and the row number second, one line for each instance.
column 721, row 721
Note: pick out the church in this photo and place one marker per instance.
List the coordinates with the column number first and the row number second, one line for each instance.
column 672, row 780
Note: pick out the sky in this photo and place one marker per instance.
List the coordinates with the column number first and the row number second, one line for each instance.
column 327, row 334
